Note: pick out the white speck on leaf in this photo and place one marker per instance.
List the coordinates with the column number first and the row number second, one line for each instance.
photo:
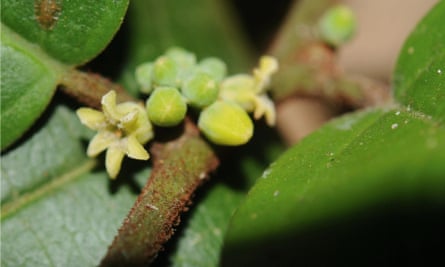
column 394, row 126
column 265, row 174
column 411, row 50
column 439, row 71
column 397, row 113
column 276, row 193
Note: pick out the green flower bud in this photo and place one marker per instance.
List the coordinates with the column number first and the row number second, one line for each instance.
column 166, row 107
column 200, row 90
column 215, row 67
column 183, row 58
column 337, row 25
column 226, row 123
column 144, row 77
column 165, row 72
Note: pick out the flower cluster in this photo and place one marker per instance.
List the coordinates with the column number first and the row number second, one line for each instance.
column 176, row 81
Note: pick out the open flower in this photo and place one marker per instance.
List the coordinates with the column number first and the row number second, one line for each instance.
column 249, row 91
column 122, row 129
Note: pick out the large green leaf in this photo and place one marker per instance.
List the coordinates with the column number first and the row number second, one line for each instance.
column 350, row 169
column 54, row 212
column 419, row 77
column 40, row 40
column 366, row 189
column 72, row 31
column 71, row 226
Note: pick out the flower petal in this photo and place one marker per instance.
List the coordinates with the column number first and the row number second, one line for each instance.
column 113, row 161
column 100, row 142
column 268, row 65
column 109, row 107
column 135, row 150
column 265, row 107
column 128, row 121
column 92, row 118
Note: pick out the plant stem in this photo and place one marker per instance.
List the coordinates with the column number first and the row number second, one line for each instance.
column 88, row 88
column 180, row 166
column 310, row 79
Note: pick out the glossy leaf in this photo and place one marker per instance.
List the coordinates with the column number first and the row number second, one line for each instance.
column 40, row 40
column 27, row 85
column 72, row 32
column 419, row 78
column 376, row 158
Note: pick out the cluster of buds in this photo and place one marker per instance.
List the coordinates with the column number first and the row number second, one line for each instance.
column 175, row 82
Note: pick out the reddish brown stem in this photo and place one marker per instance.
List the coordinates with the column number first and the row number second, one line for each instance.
column 88, row 88
column 180, row 166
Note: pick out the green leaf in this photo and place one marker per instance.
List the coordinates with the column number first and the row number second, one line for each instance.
column 54, row 212
column 71, row 226
column 201, row 242
column 50, row 152
column 72, row 32
column 419, row 78
column 349, row 169
column 27, row 85
column 35, row 55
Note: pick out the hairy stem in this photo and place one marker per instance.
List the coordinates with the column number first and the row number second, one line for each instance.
column 180, row 166
column 88, row 88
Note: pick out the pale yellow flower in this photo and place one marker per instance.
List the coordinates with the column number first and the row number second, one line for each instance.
column 122, row 129
column 249, row 91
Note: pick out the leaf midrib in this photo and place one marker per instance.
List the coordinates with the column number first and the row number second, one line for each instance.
column 55, row 184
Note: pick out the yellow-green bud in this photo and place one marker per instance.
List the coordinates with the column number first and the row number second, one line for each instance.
column 226, row 123
column 144, row 77
column 165, row 72
column 337, row 25
column 166, row 107
column 200, row 90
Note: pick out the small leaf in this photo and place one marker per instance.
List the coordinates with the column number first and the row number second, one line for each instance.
column 348, row 168
column 419, row 78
